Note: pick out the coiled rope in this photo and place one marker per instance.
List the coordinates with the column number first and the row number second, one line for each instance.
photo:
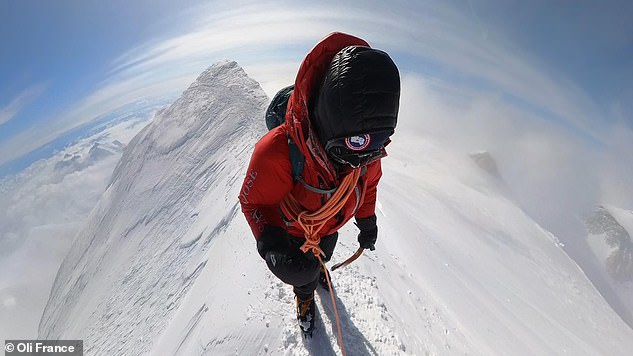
column 312, row 222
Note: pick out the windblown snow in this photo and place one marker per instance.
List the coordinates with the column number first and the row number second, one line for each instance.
column 167, row 265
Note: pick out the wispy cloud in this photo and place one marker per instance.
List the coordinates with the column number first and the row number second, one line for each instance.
column 434, row 38
column 448, row 38
column 10, row 111
column 168, row 65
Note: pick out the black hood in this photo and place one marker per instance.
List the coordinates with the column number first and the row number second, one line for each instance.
column 360, row 94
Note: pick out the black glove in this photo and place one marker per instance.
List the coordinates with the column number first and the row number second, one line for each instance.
column 284, row 257
column 368, row 232
column 275, row 240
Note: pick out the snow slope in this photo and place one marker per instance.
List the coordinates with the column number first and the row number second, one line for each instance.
column 167, row 264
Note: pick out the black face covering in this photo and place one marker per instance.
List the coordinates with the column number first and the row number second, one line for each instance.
column 356, row 108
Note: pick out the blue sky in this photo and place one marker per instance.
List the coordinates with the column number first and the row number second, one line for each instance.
column 590, row 42
column 65, row 63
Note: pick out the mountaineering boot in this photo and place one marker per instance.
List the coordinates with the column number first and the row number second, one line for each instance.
column 323, row 278
column 306, row 311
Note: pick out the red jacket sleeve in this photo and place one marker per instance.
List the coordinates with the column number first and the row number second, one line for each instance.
column 268, row 180
column 372, row 177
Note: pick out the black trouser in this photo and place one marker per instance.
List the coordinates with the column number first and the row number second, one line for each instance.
column 302, row 269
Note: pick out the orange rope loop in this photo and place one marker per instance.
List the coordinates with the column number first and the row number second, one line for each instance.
column 312, row 222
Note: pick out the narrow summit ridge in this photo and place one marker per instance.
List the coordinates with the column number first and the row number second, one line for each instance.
column 171, row 194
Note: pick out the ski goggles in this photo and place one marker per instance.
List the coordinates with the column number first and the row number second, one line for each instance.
column 358, row 150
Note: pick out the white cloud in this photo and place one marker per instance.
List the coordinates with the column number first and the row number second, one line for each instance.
column 9, row 111
column 447, row 37
column 555, row 174
column 9, row 302
column 42, row 210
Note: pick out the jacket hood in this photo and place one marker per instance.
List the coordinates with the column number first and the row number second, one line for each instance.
column 307, row 83
column 359, row 96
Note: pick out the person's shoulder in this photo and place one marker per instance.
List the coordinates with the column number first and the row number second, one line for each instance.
column 273, row 145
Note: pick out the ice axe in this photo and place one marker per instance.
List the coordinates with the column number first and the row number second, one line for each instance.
column 349, row 260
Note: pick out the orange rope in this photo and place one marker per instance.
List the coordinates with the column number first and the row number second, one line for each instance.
column 338, row 320
column 312, row 222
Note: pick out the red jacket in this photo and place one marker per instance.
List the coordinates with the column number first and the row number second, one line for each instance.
column 269, row 175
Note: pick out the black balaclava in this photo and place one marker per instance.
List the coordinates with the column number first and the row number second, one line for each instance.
column 359, row 95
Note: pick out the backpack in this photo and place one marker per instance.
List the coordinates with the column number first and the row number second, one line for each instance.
column 275, row 116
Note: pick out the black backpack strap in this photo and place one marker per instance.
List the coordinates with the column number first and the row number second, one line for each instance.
column 296, row 160
column 327, row 192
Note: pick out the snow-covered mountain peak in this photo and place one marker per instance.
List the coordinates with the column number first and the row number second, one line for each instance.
column 609, row 231
column 174, row 190
column 610, row 238
column 221, row 69
column 205, row 107
column 486, row 161
column 603, row 222
column 87, row 153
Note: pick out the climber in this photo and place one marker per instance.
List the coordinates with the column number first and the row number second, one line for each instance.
column 319, row 166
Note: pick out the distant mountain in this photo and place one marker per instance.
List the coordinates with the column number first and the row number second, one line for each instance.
column 77, row 161
column 166, row 264
column 619, row 262
column 486, row 162
column 609, row 236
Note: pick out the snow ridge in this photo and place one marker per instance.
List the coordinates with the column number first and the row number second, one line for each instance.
column 129, row 268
